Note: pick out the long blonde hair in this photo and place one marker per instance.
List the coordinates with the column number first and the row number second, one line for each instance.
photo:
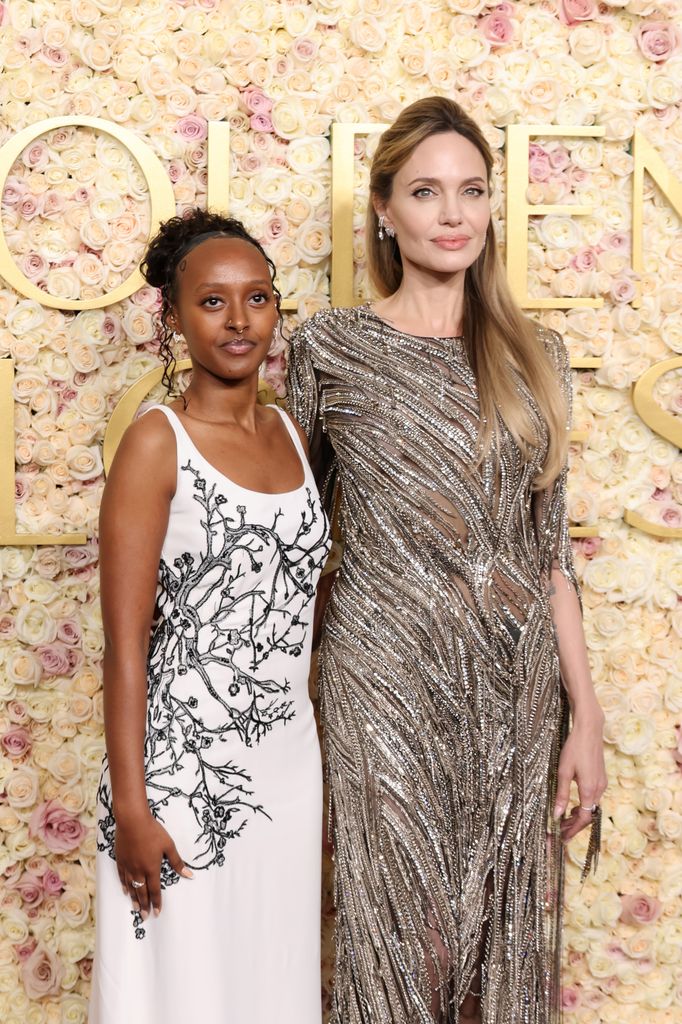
column 497, row 334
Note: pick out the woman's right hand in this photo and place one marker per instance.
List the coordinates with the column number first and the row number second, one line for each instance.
column 141, row 844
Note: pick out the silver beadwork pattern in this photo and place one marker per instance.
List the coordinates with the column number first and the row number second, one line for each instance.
column 442, row 707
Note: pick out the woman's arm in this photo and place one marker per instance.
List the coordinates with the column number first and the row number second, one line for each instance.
column 582, row 757
column 303, row 398
column 133, row 524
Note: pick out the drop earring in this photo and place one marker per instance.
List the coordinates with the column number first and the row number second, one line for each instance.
column 390, row 231
column 380, row 232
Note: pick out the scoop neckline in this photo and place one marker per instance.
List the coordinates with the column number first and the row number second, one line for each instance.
column 417, row 337
column 228, row 479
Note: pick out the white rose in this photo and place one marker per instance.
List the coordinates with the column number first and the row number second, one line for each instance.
column 35, row 625
column 587, row 43
column 26, row 317
column 669, row 825
column 636, row 735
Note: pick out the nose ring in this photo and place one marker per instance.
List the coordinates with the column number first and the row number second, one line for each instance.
column 237, row 330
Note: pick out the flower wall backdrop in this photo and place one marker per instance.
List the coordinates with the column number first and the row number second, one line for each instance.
column 75, row 212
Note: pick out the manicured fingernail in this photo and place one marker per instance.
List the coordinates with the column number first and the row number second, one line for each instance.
column 144, row 914
column 186, row 873
column 157, row 911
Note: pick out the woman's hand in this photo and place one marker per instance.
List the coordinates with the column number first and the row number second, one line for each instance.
column 141, row 845
column 582, row 761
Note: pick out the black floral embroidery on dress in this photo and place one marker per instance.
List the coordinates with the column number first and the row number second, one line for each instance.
column 228, row 609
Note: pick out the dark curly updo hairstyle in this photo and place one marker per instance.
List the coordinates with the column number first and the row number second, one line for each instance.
column 175, row 238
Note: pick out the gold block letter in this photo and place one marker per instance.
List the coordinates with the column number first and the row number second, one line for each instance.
column 8, row 531
column 519, row 210
column 647, row 159
column 343, row 139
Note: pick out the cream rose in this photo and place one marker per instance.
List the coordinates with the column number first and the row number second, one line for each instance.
column 35, row 625
column 23, row 787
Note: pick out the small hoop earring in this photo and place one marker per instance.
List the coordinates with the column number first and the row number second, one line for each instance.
column 177, row 338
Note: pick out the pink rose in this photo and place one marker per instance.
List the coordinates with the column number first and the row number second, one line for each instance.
column 16, row 742
column 53, row 204
column 36, row 156
column 176, row 170
column 587, row 546
column 52, row 883
column 31, row 889
column 640, row 909
column 260, row 123
column 559, row 158
column 24, row 952
column 21, row 489
column 576, row 176
column 17, row 711
column 14, row 192
column 573, row 11
column 85, row 554
column 30, row 206
column 619, row 241
column 658, row 40
column 275, row 374
column 256, row 102
column 622, row 290
column 53, row 56
column 304, row 48
column 570, row 998
column 250, row 163
column 81, row 195
column 42, row 973
column 539, row 167
column 85, row 968
column 276, row 227
column 7, row 627
column 497, row 28
column 192, row 127
column 34, row 266
column 29, row 42
column 671, row 516
column 54, row 658
column 59, row 830
column 585, row 259
column 69, row 632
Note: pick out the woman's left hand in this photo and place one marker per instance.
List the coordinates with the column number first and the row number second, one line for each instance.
column 582, row 761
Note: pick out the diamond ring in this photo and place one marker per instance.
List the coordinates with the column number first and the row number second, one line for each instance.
column 138, row 885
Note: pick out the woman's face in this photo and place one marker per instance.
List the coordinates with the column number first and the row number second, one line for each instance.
column 439, row 207
column 225, row 307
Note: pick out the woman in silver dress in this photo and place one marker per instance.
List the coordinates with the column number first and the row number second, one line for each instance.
column 453, row 648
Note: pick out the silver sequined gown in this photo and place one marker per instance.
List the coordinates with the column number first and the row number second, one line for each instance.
column 441, row 698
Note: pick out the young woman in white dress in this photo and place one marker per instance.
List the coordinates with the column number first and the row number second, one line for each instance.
column 212, row 540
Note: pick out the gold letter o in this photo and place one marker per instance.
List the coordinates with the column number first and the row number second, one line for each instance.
column 160, row 194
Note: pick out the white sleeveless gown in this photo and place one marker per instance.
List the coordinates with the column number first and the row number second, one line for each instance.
column 232, row 767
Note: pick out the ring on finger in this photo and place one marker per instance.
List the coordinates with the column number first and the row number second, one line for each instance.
column 138, row 885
